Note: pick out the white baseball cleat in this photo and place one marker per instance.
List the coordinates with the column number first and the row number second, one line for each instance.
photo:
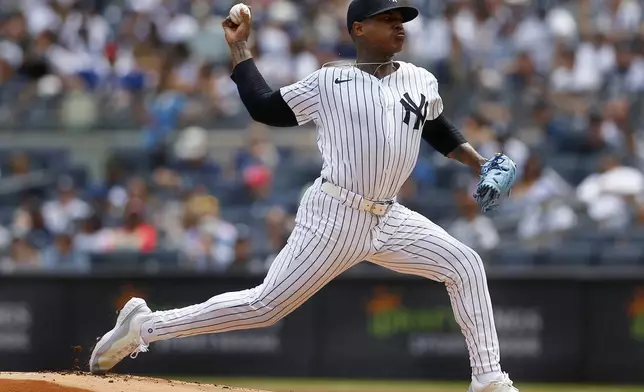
column 125, row 339
column 503, row 384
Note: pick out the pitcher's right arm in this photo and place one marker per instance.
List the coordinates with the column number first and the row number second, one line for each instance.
column 288, row 107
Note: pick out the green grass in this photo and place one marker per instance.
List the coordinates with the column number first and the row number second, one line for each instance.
column 306, row 385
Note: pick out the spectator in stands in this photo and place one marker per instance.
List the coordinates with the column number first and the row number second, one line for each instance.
column 278, row 226
column 553, row 129
column 472, row 228
column 208, row 41
column 6, row 239
column 192, row 163
column 92, row 237
column 10, row 60
column 623, row 17
column 504, row 140
column 63, row 256
column 539, row 202
column 63, row 65
column 185, row 70
column 223, row 233
column 29, row 223
column 19, row 164
column 304, row 62
column 111, row 191
column 61, row 213
column 611, row 193
column 118, row 81
column 193, row 159
column 569, row 77
column 245, row 256
column 258, row 150
column 597, row 52
column 203, row 101
column 590, row 140
column 478, row 130
column 226, row 97
column 135, row 234
column 639, row 215
column 165, row 116
column 617, row 130
column 257, row 191
column 526, row 85
column 195, row 246
column 208, row 241
column 23, row 256
column 627, row 77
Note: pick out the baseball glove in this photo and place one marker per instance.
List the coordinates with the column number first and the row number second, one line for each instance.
column 497, row 178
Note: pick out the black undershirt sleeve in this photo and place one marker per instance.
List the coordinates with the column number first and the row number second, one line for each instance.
column 441, row 134
column 263, row 104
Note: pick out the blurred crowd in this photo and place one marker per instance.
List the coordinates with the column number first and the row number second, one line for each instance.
column 555, row 84
column 190, row 212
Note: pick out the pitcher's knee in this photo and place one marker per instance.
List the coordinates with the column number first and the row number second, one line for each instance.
column 474, row 264
column 267, row 310
column 468, row 267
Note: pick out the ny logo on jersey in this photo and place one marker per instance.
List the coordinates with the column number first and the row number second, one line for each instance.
column 419, row 110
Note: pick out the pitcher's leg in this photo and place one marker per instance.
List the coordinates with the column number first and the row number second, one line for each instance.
column 327, row 240
column 419, row 247
column 311, row 259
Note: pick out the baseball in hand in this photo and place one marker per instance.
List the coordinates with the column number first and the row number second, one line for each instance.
column 235, row 13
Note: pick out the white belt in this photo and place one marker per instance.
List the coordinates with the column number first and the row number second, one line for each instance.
column 355, row 201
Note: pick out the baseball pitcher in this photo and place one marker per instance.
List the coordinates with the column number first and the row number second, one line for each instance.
column 371, row 116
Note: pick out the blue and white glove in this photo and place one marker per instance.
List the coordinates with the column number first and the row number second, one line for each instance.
column 498, row 175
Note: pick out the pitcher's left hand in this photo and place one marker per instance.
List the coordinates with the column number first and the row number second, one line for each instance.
column 498, row 175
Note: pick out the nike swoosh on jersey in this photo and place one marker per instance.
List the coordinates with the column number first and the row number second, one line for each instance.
column 338, row 81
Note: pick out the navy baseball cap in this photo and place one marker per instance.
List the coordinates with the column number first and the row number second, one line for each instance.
column 360, row 10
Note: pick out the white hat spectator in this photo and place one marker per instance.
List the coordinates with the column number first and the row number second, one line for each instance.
column 180, row 28
column 144, row 6
column 11, row 54
column 283, row 12
column 562, row 24
column 192, row 143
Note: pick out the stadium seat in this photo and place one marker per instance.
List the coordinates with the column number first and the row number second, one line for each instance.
column 566, row 165
column 513, row 255
column 236, row 214
column 622, row 254
column 80, row 176
column 134, row 261
column 591, row 236
column 133, row 159
column 571, row 253
column 6, row 215
column 634, row 235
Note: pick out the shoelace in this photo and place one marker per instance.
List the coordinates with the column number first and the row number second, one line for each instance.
column 505, row 381
column 142, row 348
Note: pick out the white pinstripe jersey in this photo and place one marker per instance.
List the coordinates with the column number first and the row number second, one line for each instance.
column 369, row 129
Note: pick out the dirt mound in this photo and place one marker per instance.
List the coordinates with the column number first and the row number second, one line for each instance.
column 83, row 382
column 33, row 386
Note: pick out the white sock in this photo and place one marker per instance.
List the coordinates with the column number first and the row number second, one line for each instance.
column 487, row 378
column 147, row 331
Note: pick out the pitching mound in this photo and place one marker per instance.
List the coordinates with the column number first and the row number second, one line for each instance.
column 81, row 382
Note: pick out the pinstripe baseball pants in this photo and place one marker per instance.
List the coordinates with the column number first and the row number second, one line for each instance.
column 328, row 239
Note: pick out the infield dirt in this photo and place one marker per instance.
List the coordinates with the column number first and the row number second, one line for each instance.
column 84, row 382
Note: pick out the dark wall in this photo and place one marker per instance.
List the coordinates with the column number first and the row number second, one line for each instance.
column 574, row 329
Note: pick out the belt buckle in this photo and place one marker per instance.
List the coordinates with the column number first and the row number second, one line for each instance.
column 379, row 209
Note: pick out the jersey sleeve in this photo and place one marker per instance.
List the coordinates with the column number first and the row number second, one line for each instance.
column 303, row 98
column 435, row 100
